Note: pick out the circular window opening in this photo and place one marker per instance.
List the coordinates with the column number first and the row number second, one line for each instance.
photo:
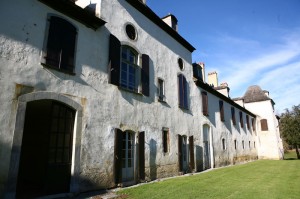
column 131, row 32
column 180, row 64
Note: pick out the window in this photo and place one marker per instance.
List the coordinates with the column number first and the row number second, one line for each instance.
column 161, row 90
column 182, row 92
column 264, row 124
column 165, row 138
column 253, row 124
column 129, row 69
column 254, row 144
column 221, row 109
column 247, row 121
column 197, row 72
column 204, row 103
column 241, row 119
column 131, row 32
column 223, row 144
column 59, row 52
column 180, row 64
column 243, row 144
column 249, row 144
column 125, row 71
column 235, row 144
column 233, row 116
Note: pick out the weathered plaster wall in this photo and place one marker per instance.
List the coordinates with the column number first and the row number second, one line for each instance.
column 105, row 106
column 270, row 143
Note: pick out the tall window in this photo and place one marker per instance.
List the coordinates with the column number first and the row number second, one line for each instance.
column 182, row 92
column 124, row 70
column 221, row 107
column 253, row 124
column 165, row 138
column 223, row 144
column 233, row 116
column 247, row 121
column 60, row 50
column 235, row 144
column 264, row 124
column 161, row 90
column 243, row 144
column 241, row 119
column 204, row 103
column 129, row 69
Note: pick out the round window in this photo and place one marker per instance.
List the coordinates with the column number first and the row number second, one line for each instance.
column 180, row 64
column 130, row 31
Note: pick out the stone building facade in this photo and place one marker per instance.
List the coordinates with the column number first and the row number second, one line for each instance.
column 103, row 93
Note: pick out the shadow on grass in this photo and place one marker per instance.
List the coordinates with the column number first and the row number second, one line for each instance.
column 291, row 159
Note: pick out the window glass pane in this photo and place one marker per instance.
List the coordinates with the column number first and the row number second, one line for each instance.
column 129, row 162
column 66, row 156
column 60, row 140
column 123, row 163
column 67, row 140
column 51, row 158
column 52, row 140
column 54, row 125
column 59, row 156
column 61, row 125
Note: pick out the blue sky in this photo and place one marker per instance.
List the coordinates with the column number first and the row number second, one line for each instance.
column 253, row 42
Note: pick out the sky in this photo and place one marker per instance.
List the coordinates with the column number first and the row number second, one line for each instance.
column 247, row 42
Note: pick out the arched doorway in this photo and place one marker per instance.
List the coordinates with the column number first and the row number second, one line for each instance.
column 46, row 150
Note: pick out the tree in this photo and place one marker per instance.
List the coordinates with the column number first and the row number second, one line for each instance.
column 290, row 127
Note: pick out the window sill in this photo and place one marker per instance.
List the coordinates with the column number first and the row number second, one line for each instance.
column 184, row 108
column 162, row 100
column 130, row 91
column 58, row 69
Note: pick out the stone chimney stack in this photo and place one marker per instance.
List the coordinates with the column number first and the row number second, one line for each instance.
column 143, row 1
column 171, row 21
column 202, row 64
column 266, row 93
column 212, row 79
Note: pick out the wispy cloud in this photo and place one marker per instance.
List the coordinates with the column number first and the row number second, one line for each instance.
column 274, row 66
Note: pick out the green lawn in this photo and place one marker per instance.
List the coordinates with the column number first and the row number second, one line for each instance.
column 266, row 179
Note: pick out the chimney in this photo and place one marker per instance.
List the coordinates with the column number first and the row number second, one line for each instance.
column 202, row 65
column 143, row 1
column 212, row 79
column 266, row 93
column 171, row 21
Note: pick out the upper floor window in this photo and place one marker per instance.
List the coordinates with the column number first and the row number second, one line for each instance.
column 264, row 124
column 127, row 70
column 247, row 121
column 241, row 119
column 161, row 89
column 233, row 116
column 60, row 46
column 221, row 107
column 204, row 103
column 253, row 124
column 197, row 72
column 182, row 92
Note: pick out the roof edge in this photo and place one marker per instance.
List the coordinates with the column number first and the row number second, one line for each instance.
column 147, row 12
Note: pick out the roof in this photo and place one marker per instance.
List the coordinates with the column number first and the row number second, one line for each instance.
column 255, row 94
column 212, row 91
column 147, row 12
column 77, row 13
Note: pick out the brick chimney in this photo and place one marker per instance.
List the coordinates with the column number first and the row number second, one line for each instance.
column 172, row 21
column 212, row 79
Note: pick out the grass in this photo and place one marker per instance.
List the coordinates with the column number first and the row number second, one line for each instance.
column 263, row 179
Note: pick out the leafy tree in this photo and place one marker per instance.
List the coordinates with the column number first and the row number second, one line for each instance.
column 290, row 127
